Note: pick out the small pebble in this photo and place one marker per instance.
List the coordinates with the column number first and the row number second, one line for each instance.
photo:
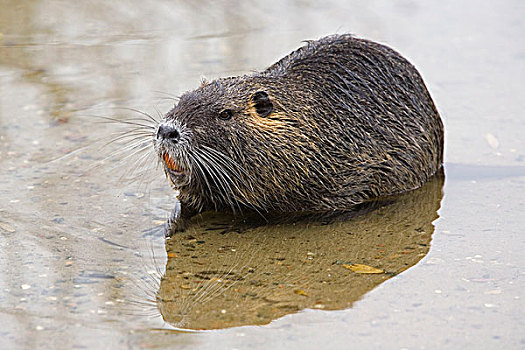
column 492, row 141
column 434, row 261
column 492, row 292
column 7, row 227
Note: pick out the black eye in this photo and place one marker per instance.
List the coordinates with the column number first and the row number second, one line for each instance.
column 261, row 102
column 225, row 114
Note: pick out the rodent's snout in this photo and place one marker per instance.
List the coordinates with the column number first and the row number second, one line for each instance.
column 168, row 133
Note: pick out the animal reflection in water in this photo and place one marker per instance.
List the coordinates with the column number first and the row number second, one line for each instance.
column 226, row 272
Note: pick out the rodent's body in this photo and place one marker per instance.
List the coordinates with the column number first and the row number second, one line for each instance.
column 335, row 123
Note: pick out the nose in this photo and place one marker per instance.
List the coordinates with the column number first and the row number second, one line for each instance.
column 167, row 132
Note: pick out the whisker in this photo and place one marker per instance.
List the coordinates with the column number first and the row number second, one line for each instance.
column 223, row 181
column 128, row 122
column 147, row 115
column 218, row 179
column 220, row 157
column 175, row 97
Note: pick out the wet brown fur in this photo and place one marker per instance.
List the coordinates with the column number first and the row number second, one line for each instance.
column 351, row 121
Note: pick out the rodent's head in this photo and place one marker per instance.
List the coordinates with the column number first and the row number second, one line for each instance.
column 227, row 144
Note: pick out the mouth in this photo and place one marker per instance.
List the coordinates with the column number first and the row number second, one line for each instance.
column 172, row 166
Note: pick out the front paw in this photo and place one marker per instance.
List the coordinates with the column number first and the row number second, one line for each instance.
column 176, row 226
column 179, row 220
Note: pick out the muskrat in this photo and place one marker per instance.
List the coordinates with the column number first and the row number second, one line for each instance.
column 338, row 122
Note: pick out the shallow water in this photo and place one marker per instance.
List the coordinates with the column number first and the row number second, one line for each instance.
column 83, row 258
column 226, row 272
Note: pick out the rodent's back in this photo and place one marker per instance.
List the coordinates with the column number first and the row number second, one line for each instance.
column 372, row 112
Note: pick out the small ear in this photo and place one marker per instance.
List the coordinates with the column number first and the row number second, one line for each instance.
column 204, row 81
column 261, row 102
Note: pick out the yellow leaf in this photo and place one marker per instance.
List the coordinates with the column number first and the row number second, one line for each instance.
column 300, row 292
column 360, row 268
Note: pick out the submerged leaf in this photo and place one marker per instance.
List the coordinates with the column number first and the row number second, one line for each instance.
column 360, row 268
column 300, row 292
